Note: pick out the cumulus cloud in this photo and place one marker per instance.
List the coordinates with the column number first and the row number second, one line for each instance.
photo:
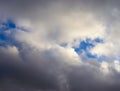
column 37, row 45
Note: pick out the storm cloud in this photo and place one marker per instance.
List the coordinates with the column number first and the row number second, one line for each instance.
column 41, row 49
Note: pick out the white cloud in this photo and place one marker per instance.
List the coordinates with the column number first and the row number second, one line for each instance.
column 106, row 49
column 105, row 67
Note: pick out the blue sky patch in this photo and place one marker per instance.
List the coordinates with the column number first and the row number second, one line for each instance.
column 9, row 24
column 86, row 45
column 6, row 38
column 7, row 31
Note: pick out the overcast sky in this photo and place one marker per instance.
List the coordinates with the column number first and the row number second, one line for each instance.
column 59, row 45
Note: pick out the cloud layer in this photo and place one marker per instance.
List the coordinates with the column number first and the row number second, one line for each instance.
column 40, row 43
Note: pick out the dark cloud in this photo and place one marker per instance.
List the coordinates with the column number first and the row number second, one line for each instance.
column 28, row 8
column 24, row 67
column 85, row 78
column 17, row 71
column 27, row 74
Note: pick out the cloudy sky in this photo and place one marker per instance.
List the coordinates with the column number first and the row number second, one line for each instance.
column 59, row 45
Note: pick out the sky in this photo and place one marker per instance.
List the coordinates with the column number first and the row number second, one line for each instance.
column 59, row 45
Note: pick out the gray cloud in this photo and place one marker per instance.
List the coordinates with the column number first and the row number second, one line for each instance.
column 52, row 73
column 19, row 72
column 39, row 63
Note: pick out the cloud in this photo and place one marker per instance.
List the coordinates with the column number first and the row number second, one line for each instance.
column 39, row 41
column 36, row 71
column 15, row 71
